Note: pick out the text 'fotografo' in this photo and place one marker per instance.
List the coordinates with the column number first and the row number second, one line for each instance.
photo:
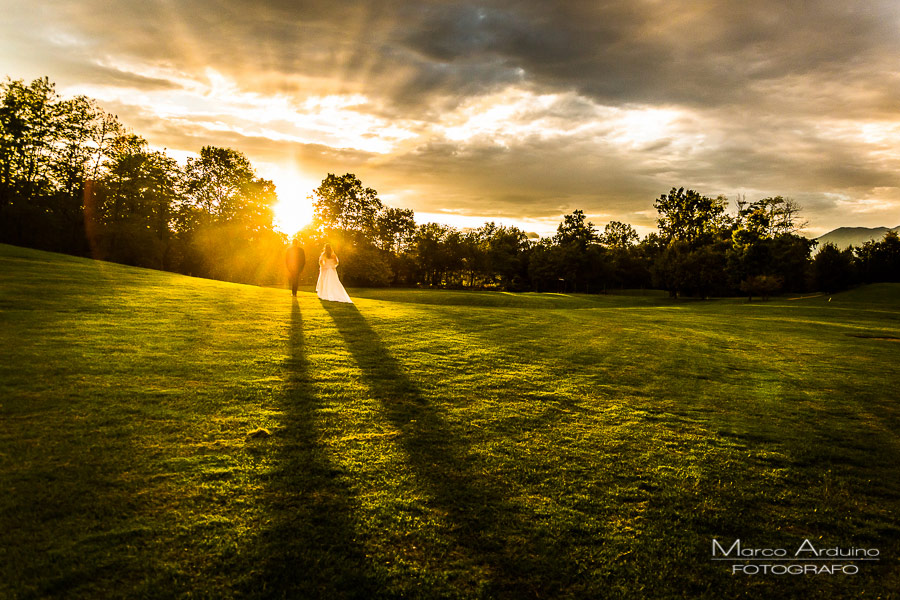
column 806, row 559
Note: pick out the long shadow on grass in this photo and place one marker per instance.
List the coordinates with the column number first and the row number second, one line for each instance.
column 308, row 550
column 518, row 559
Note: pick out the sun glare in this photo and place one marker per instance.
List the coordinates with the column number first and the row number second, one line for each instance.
column 294, row 209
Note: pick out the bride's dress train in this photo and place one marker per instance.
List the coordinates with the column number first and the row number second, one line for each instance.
column 328, row 286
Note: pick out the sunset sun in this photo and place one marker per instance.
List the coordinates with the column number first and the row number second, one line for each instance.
column 294, row 208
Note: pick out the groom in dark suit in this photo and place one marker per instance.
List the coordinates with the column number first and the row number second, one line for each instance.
column 295, row 260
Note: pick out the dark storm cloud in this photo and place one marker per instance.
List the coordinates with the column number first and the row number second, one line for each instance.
column 694, row 53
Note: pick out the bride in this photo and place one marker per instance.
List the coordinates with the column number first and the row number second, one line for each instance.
column 329, row 287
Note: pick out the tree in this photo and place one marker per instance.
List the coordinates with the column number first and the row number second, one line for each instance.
column 75, row 160
column 687, row 216
column 48, row 154
column 27, row 135
column 73, row 180
column 623, row 265
column 880, row 260
column 764, row 243
column 395, row 229
column 225, row 216
column 222, row 187
column 472, row 249
column 577, row 255
column 28, row 120
column 342, row 204
column 575, row 229
column 833, row 269
column 431, row 252
column 365, row 265
column 78, row 120
column 455, row 247
column 542, row 270
column 693, row 232
column 750, row 256
column 129, row 214
column 618, row 235
column 686, row 271
column 770, row 217
column 790, row 260
column 501, row 251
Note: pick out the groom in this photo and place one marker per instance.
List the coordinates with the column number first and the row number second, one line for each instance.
column 295, row 260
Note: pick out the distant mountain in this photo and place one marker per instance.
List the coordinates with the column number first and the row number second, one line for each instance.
column 844, row 237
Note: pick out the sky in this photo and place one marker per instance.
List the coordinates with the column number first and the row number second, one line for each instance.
column 513, row 112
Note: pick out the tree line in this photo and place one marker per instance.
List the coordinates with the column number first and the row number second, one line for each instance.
column 700, row 249
column 73, row 179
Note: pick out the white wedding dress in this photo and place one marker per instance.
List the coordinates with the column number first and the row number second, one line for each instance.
column 329, row 287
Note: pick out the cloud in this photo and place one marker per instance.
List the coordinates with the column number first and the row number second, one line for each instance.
column 527, row 108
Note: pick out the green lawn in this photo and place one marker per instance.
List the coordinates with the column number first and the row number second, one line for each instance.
column 435, row 444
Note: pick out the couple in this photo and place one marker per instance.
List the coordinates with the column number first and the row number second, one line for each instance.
column 328, row 286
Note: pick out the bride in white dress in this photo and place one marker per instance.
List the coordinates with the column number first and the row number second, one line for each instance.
column 329, row 287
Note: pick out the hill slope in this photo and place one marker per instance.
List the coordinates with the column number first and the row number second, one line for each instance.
column 844, row 237
column 163, row 436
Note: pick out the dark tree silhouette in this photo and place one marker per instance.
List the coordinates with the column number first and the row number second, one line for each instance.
column 833, row 269
column 880, row 260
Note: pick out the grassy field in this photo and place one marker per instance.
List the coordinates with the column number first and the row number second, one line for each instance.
column 435, row 444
